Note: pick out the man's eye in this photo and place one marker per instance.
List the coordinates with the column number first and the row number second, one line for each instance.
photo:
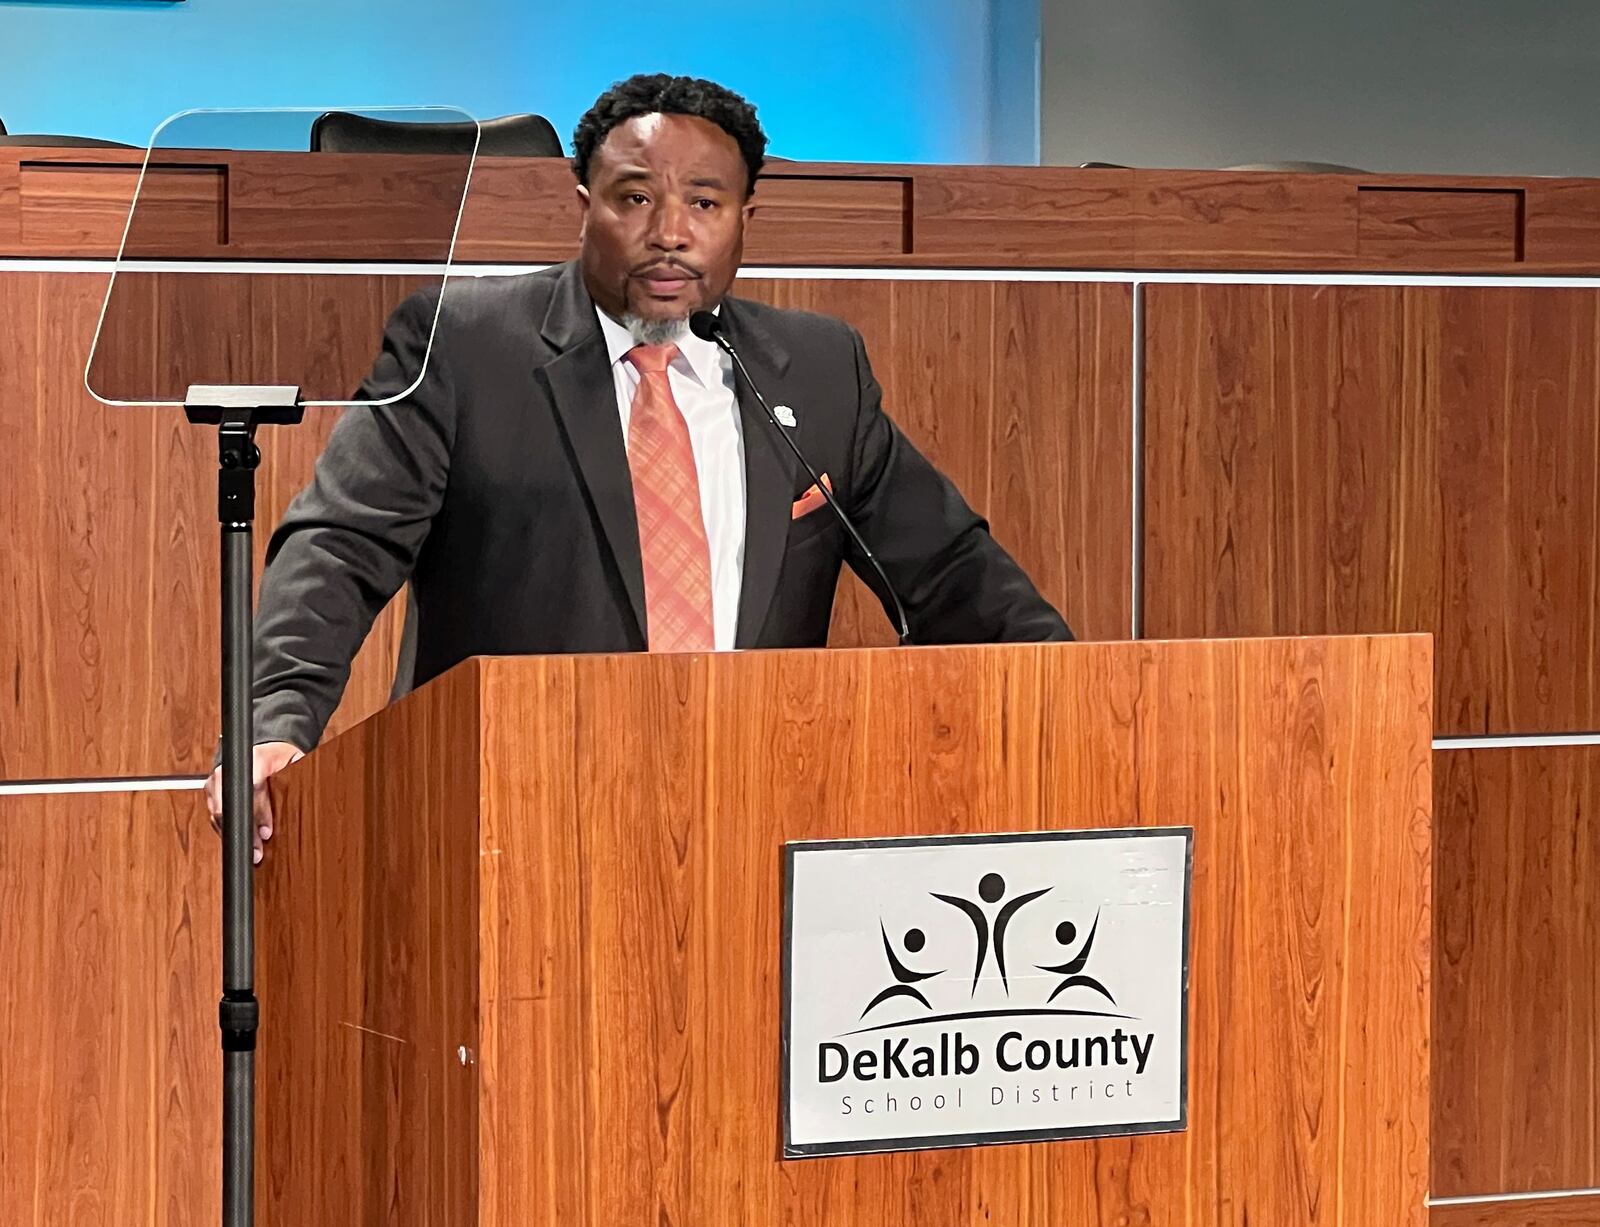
column 705, row 203
column 637, row 198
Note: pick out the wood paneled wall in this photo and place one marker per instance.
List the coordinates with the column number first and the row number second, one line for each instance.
column 110, row 1076
column 1316, row 459
column 1336, row 459
column 112, row 668
column 108, row 584
column 1022, row 393
column 1342, row 459
column 1583, row 1211
column 1516, row 948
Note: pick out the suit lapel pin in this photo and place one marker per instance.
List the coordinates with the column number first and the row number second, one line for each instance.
column 784, row 414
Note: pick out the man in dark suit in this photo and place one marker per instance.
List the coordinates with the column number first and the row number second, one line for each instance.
column 576, row 472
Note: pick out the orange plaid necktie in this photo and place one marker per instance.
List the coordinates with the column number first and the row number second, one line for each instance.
column 666, row 498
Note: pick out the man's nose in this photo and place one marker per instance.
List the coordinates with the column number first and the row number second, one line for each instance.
column 669, row 229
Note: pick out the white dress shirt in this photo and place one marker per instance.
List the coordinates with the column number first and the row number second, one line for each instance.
column 701, row 378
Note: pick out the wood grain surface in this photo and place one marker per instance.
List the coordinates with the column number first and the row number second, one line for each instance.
column 1392, row 223
column 629, row 833
column 1516, row 999
column 109, row 585
column 110, row 1075
column 1021, row 392
column 627, row 794
column 840, row 217
column 112, row 584
column 367, row 967
column 1207, row 219
column 81, row 204
column 1325, row 924
column 1538, row 1212
column 1023, row 219
column 299, row 206
column 1352, row 459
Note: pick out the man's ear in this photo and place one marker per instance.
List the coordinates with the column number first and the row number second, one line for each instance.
column 749, row 210
column 583, row 209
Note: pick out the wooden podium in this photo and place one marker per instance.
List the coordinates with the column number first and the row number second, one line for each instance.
column 520, row 934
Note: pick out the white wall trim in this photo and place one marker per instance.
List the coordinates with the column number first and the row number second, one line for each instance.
column 20, row 265
column 35, row 788
column 1491, row 1198
column 1175, row 278
column 181, row 783
column 1516, row 741
column 1136, row 487
column 263, row 267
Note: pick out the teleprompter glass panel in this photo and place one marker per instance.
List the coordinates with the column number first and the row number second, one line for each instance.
column 266, row 248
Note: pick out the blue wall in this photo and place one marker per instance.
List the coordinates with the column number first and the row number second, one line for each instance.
column 846, row 80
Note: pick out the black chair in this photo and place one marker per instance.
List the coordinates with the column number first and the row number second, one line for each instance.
column 60, row 142
column 1308, row 168
column 510, row 136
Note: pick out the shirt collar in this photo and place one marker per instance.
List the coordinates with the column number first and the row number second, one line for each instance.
column 702, row 359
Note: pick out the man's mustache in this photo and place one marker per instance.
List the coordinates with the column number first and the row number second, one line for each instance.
column 664, row 266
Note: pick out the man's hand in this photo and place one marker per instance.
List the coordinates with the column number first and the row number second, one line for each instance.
column 270, row 758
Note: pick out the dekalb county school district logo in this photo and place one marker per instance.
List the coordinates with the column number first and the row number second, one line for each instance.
column 990, row 916
column 991, row 890
column 962, row 990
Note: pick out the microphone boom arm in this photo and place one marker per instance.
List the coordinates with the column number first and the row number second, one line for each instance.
column 712, row 331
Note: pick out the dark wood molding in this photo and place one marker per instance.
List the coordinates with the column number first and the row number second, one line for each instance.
column 218, row 204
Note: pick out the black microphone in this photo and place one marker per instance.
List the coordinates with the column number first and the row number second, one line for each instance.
column 708, row 326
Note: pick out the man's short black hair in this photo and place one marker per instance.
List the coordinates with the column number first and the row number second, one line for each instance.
column 659, row 93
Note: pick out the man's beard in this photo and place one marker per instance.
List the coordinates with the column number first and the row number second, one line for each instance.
column 655, row 332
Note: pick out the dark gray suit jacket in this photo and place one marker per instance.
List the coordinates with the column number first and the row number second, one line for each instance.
column 500, row 488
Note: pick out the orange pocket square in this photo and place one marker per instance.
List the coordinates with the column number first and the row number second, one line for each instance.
column 810, row 500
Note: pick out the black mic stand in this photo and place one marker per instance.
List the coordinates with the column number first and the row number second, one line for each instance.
column 709, row 327
column 236, row 412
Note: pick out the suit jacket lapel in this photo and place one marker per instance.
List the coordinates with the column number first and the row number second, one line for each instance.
column 768, row 470
column 584, row 394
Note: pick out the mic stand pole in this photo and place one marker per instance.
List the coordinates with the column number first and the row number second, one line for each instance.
column 236, row 412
